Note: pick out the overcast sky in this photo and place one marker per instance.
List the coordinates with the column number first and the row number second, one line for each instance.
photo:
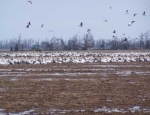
column 64, row 17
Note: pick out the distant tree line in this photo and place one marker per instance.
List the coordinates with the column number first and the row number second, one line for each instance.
column 78, row 43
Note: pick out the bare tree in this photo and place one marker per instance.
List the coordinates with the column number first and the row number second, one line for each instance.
column 124, row 42
column 16, row 47
column 57, row 43
column 25, row 43
column 30, row 43
column 147, row 39
column 114, row 43
column 19, row 39
column 74, row 43
column 88, row 41
column 141, row 41
column 44, row 45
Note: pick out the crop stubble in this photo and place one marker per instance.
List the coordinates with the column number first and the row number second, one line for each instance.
column 106, row 85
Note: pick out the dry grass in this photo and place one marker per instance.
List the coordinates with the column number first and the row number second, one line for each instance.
column 81, row 92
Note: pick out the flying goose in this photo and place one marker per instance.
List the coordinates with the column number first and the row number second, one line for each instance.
column 129, row 24
column 114, row 31
column 29, row 23
column 144, row 13
column 113, row 37
column 42, row 25
column 125, row 39
column 105, row 20
column 134, row 14
column 88, row 30
column 27, row 26
column 30, row 2
column 81, row 24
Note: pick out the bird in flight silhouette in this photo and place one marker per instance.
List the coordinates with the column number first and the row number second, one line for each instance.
column 129, row 24
column 81, row 24
column 114, row 31
column 134, row 15
column 88, row 30
column 28, row 25
column 105, row 20
column 30, row 2
column 42, row 25
column 144, row 13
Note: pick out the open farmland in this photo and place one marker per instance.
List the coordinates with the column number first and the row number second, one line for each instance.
column 73, row 83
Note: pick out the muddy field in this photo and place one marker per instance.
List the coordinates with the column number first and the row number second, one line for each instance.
column 73, row 89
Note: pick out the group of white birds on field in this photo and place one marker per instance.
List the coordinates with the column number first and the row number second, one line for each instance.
column 71, row 57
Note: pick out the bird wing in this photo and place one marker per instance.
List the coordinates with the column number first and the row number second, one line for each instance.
column 27, row 26
column 88, row 30
column 42, row 25
column 81, row 24
column 30, row 2
column 129, row 24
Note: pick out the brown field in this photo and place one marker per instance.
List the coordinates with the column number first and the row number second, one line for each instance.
column 75, row 89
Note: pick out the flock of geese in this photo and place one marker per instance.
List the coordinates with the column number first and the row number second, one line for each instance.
column 88, row 29
column 129, row 24
column 29, row 23
column 71, row 57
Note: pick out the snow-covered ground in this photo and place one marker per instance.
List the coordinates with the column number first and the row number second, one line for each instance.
column 67, row 72
column 95, row 110
column 71, row 57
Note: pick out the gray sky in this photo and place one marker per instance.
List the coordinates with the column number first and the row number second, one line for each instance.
column 64, row 17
